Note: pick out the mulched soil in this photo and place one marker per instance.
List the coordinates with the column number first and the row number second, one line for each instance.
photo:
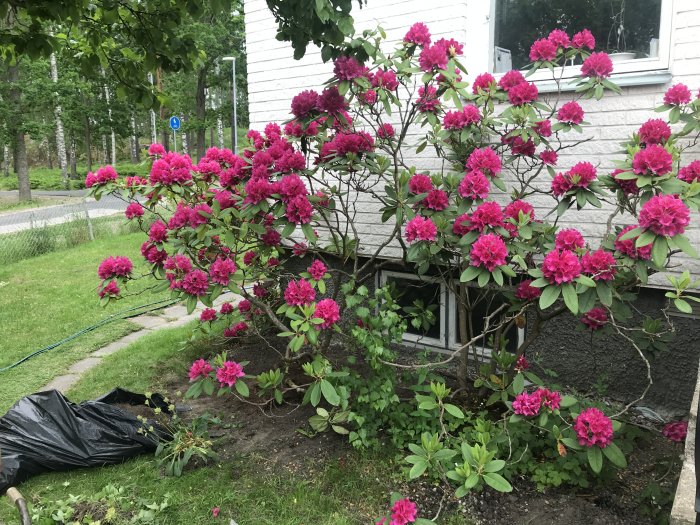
column 272, row 433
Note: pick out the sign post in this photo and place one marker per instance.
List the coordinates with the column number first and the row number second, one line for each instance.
column 174, row 125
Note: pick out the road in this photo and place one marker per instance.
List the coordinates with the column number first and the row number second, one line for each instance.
column 51, row 215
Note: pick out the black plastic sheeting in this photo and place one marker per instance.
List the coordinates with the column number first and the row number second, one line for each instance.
column 46, row 432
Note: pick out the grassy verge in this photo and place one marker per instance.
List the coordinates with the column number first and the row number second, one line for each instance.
column 47, row 298
column 11, row 204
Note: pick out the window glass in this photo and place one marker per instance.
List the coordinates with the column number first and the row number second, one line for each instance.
column 409, row 293
column 480, row 310
column 625, row 29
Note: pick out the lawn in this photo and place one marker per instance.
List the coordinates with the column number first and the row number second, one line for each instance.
column 348, row 491
column 12, row 205
column 47, row 298
column 50, row 179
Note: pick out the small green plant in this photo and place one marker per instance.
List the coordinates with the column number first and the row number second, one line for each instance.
column 189, row 441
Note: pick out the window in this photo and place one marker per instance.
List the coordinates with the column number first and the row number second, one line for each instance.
column 427, row 292
column 636, row 33
column 443, row 335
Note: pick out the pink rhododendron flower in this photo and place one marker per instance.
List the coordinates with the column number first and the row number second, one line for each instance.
column 331, row 101
column 628, row 186
column 559, row 38
column 348, row 68
column 132, row 182
column 451, row 46
column 200, row 368
column 627, row 247
column 433, row 57
column 549, row 157
column 664, row 215
column 483, row 82
column 152, row 254
column 561, row 267
column 526, row 292
column 549, row 398
column 560, row 185
column 583, row 39
column 195, row 283
column 221, row 270
column 654, row 131
column 484, row 160
column 271, row 237
column 474, row 186
column 134, row 209
column 593, row 428
column 543, row 50
column 207, row 315
column 215, row 512
column 570, row 113
column 156, row 150
column 403, row 511
column 677, row 95
column 597, row 65
column 291, row 186
column 299, row 249
column 488, row 251
column 198, row 214
column 229, row 373
column 304, row 104
column 428, row 101
column 526, row 404
column 118, row 266
column 419, row 183
column 462, row 225
column 384, row 79
column 600, row 265
column 317, row 270
column 227, row 308
column 512, row 211
column 385, row 131
column 461, row 119
column 595, row 318
column 520, row 147
column 690, row 173
column 171, row 168
column 299, row 293
column 522, row 93
column 110, row 290
column 418, row 34
column 522, row 364
column 436, row 200
column 299, row 210
column 249, row 257
column 569, row 239
column 236, row 330
column 257, row 190
column 675, row 431
column 420, row 229
column 487, row 215
column 511, row 79
column 543, row 128
column 328, row 310
column 652, row 160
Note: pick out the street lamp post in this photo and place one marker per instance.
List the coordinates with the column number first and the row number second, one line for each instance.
column 234, row 118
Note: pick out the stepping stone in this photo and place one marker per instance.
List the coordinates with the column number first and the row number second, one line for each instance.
column 84, row 365
column 111, row 348
column 149, row 321
column 175, row 311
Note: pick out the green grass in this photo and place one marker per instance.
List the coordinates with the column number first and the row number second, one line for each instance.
column 11, row 204
column 50, row 179
column 47, row 298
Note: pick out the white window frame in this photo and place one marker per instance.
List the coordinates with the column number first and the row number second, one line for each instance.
column 486, row 351
column 635, row 72
column 419, row 340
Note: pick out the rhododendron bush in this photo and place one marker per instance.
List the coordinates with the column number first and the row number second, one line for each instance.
column 488, row 224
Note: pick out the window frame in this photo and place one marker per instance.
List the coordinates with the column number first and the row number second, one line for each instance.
column 638, row 71
column 428, row 342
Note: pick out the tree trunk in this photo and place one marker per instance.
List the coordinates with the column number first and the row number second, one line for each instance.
column 105, row 154
column 201, row 113
column 18, row 140
column 73, row 160
column 134, row 141
column 88, row 142
column 217, row 106
column 185, row 139
column 113, row 144
column 6, row 160
column 60, row 135
column 152, row 114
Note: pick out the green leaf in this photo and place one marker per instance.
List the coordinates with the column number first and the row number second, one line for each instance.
column 494, row 465
column 659, row 251
column 497, row 482
column 418, row 469
column 682, row 242
column 605, row 294
column 518, row 383
column 567, row 401
column 191, row 303
column 315, row 395
column 469, row 274
column 615, row 455
column 549, row 295
column 329, row 392
column 570, row 298
column 242, row 388
column 454, row 411
column 645, row 238
column 484, row 278
column 595, row 459
column 571, row 443
column 683, row 306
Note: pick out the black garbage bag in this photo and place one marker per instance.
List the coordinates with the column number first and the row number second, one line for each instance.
column 44, row 432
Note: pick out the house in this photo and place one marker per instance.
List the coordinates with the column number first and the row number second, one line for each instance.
column 655, row 43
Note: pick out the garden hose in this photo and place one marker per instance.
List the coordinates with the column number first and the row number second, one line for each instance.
column 114, row 317
column 18, row 501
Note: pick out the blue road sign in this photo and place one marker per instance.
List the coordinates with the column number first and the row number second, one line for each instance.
column 174, row 123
